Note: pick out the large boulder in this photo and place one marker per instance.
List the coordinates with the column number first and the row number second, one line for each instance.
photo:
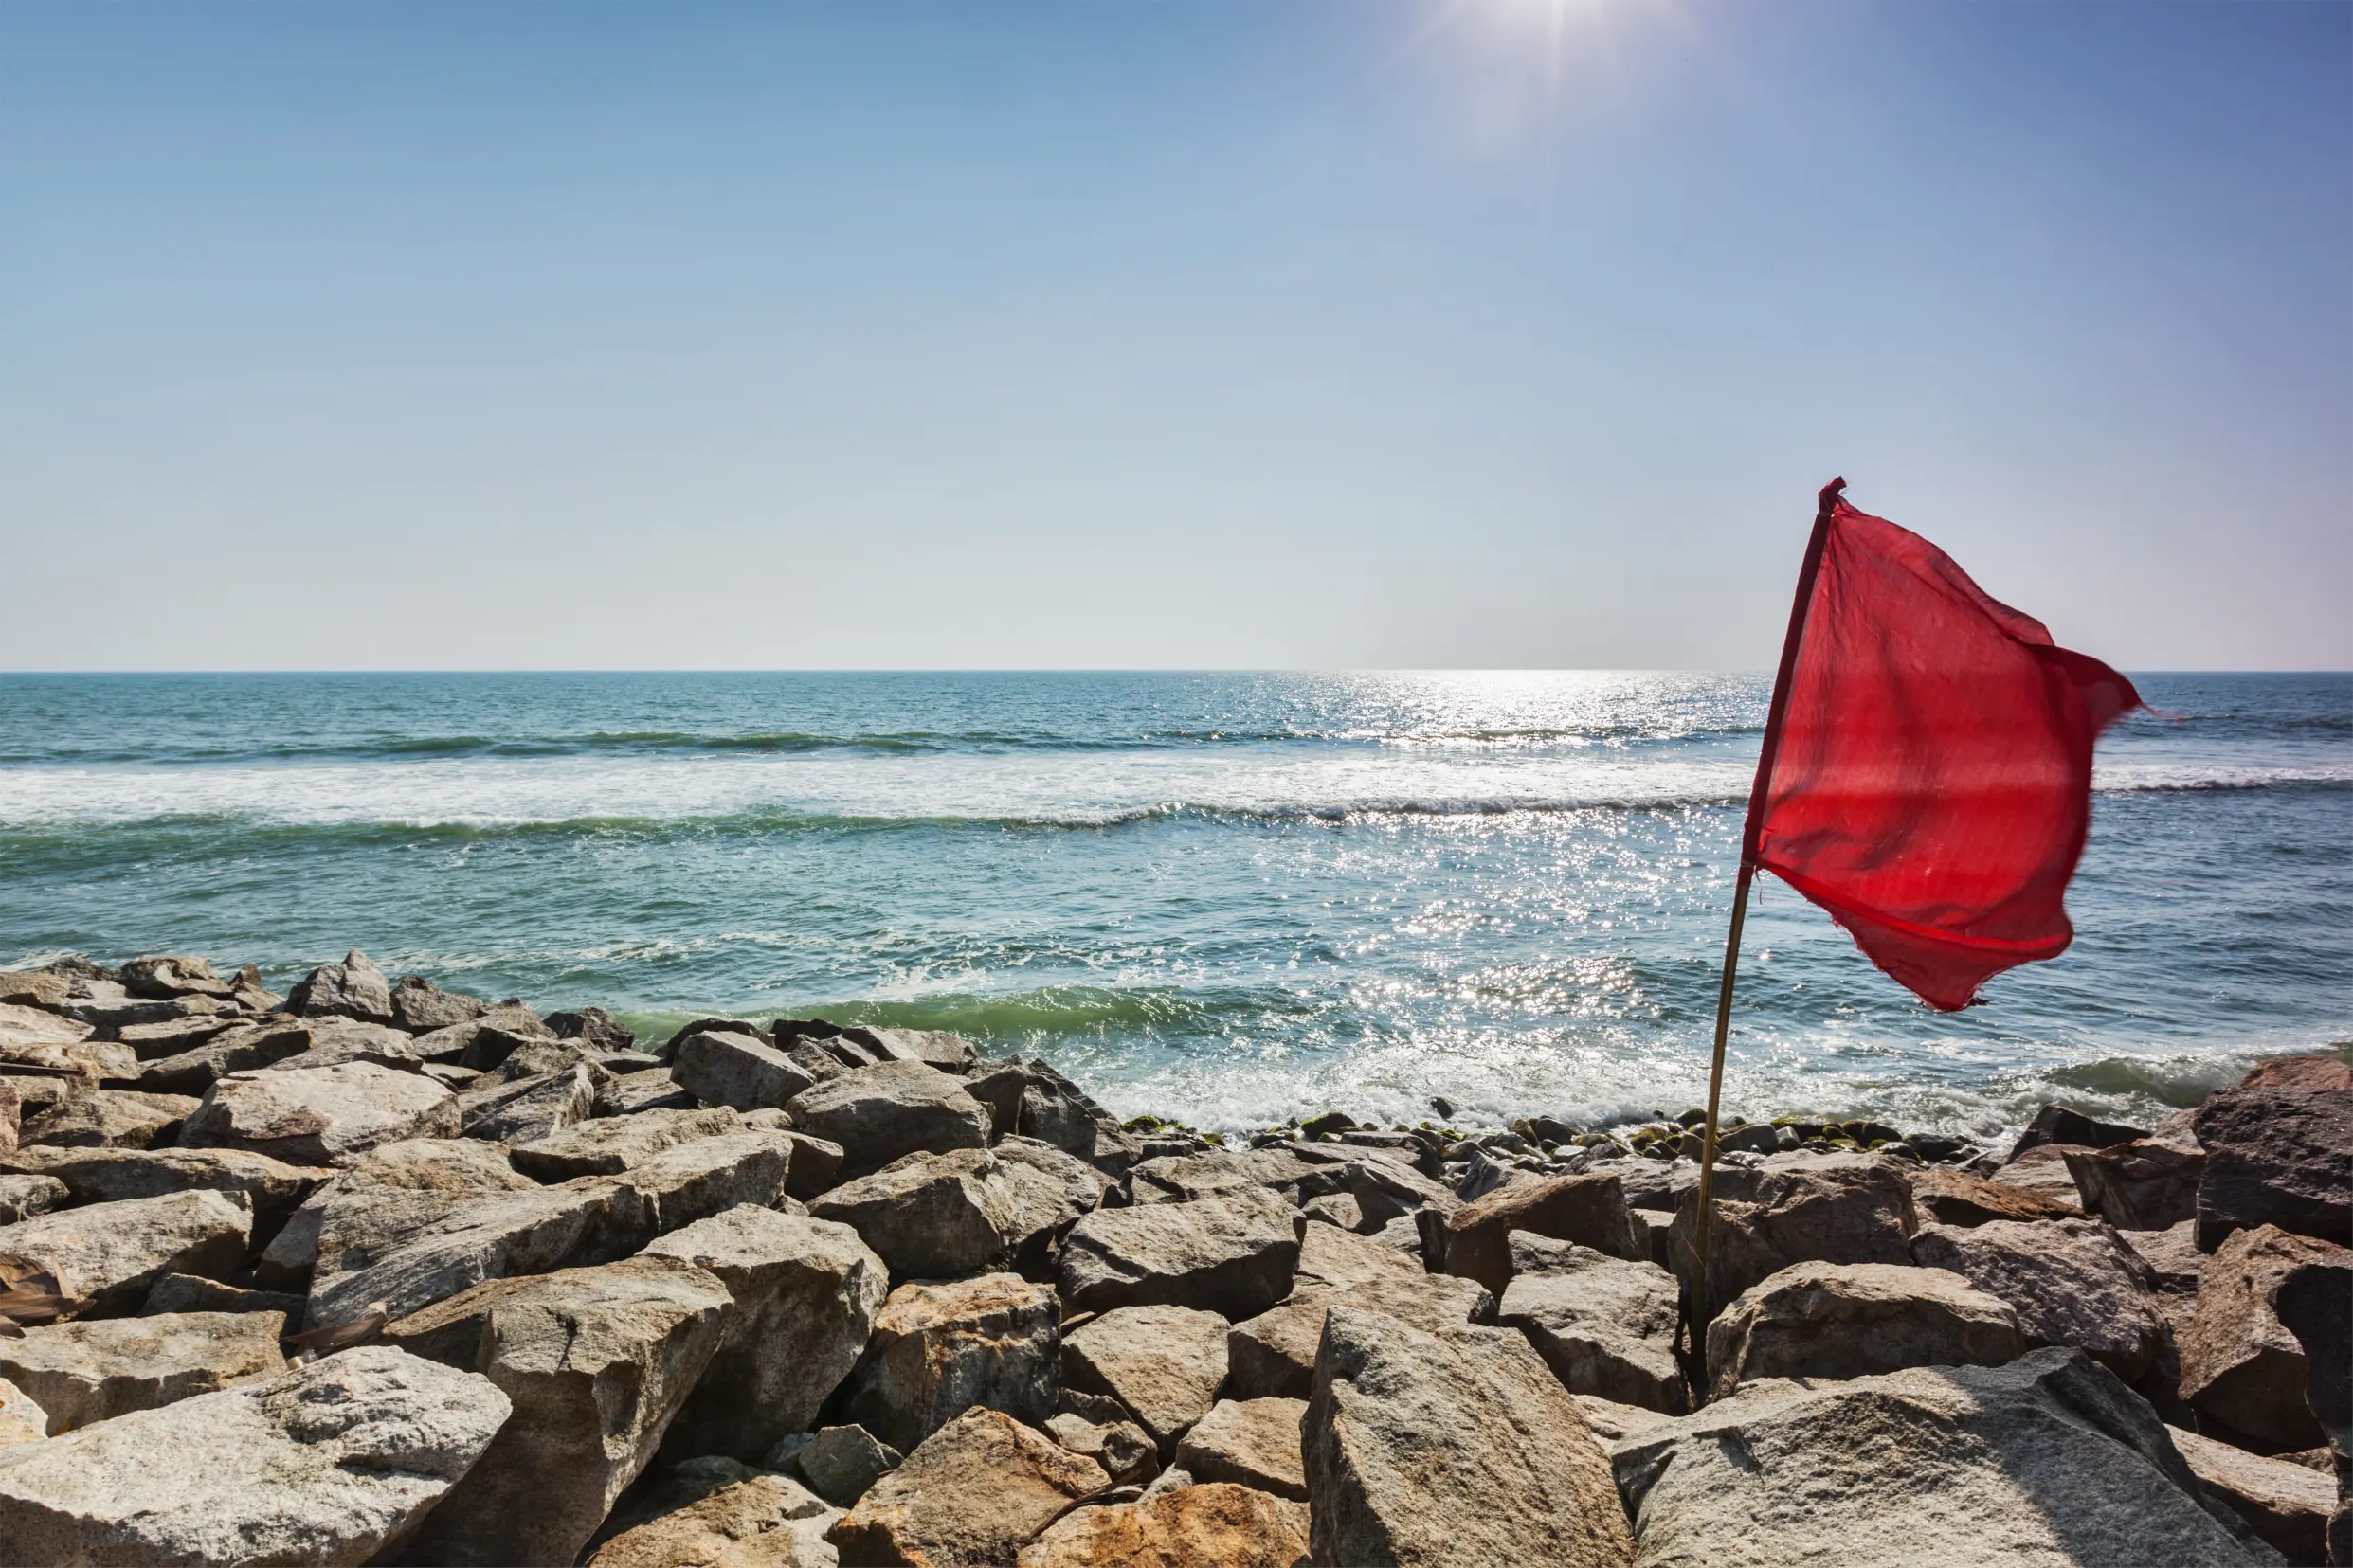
column 2315, row 1303
column 938, row 1349
column 2071, row 1282
column 710, row 1176
column 724, row 1068
column 2285, row 1503
column 1852, row 1320
column 1955, row 1197
column 2043, row 1170
column 334, row 1041
column 969, row 1497
column 806, row 1291
column 420, row 1006
column 1795, row 1209
column 1404, row 1465
column 164, row 976
column 1273, row 1355
column 928, row 1215
column 245, row 1047
column 1250, row 1443
column 112, row 1253
column 328, row 1464
column 111, row 1175
column 717, row 1513
column 1165, row 1365
column 1215, row 1524
column 81, row 1117
column 392, row 1193
column 597, row 1361
column 2239, row 1363
column 1051, row 1191
column 355, row 988
column 2277, row 1154
column 2071, row 1128
column 879, row 1114
column 526, row 1109
column 1605, row 1326
column 22, row 1420
column 2144, row 1186
column 23, row 1197
column 94, row 1370
column 1588, row 1209
column 320, row 1116
column 1233, row 1254
column 842, row 1462
column 611, row 1144
column 2172, row 1255
column 2048, row 1461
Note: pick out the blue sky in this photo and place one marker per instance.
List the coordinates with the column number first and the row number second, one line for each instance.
column 1490, row 333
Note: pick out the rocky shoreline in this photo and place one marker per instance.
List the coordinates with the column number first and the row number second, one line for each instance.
column 378, row 1273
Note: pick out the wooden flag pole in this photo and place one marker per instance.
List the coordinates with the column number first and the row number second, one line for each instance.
column 1695, row 1313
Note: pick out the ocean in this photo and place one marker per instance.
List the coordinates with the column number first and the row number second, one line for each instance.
column 1222, row 897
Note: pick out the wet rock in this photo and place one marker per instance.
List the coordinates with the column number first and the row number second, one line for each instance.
column 1124, row 1449
column 327, row 1464
column 1590, row 1210
column 23, row 1197
column 1798, row 1209
column 22, row 1420
column 928, row 1215
column 1273, row 1355
column 2276, row 1154
column 113, row 1174
column 973, row 1494
column 611, row 1144
column 2047, row 1460
column 1605, row 1326
column 1402, row 1467
column 1162, row 1363
column 937, row 1349
column 2286, row 1504
column 1233, row 1255
column 112, row 1253
column 83, row 1372
column 745, row 1073
column 81, row 1117
column 806, row 1291
column 2239, row 1363
column 843, row 1462
column 355, row 988
column 177, row 1293
column 1852, row 1320
column 596, row 1360
column 716, row 1513
column 2070, row 1281
column 1215, row 1524
column 1956, row 1198
column 879, row 1114
column 244, row 1047
column 325, row 1116
column 528, row 1110
column 1250, row 1443
column 2146, row 1185
column 2059, row 1125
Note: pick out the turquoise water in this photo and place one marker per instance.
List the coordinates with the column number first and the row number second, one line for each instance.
column 1228, row 897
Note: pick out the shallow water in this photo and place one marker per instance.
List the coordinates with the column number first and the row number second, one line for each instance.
column 1226, row 897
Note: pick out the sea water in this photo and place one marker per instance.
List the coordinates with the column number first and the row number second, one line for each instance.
column 1224, row 897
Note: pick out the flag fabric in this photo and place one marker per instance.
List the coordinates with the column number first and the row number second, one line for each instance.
column 1930, row 783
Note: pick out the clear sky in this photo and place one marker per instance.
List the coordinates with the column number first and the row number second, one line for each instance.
column 1376, row 333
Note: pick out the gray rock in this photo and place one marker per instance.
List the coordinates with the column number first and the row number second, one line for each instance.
column 22, row 1420
column 167, row 976
column 745, row 1073
column 937, row 1349
column 177, row 1293
column 806, row 1291
column 169, row 1036
column 324, row 1116
column 1124, row 1449
column 2043, row 1170
column 2070, row 1281
column 2060, row 1126
column 842, row 1462
column 1605, row 1326
column 1250, row 1443
column 328, row 1464
column 974, row 1492
column 1273, row 1355
column 112, row 1253
column 2239, row 1363
column 2285, row 1504
column 420, row 1006
column 611, row 1144
column 23, row 1197
column 716, row 1513
column 2280, row 1154
column 816, row 1162
column 1051, row 1191
column 938, row 1047
column 998, row 1087
column 640, row 1093
column 2049, row 1462
column 1826, row 1208
column 392, row 1193
column 337, row 1040
column 596, row 1360
column 1852, row 1320
column 1057, row 1111
column 2171, row 1254
column 879, row 1114
column 1402, row 1466
column 11, row 1116
column 113, row 1174
column 1232, row 1254
column 1165, row 1365
column 526, row 1109
column 81, row 1117
column 2146, row 1185
column 930, row 1215
column 244, row 1047
column 40, row 988
column 355, row 988
column 710, row 1176
column 486, row 1042
column 594, row 1026
column 84, row 1372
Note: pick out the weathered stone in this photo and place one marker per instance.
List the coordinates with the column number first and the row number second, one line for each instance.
column 22, row 1028
column 1605, row 1326
column 596, row 1360
column 2313, row 1072
column 2171, row 1254
column 2059, row 1125
column 324, row 1116
column 1612, row 1422
column 2043, row 1170
column 1250, row 1443
column 245, row 1047
column 2285, row 1504
column 2278, row 1154
column 1215, row 1524
column 1852, row 1320
column 1273, row 1355
column 526, row 1109
column 486, row 1040
column 1162, row 1363
column 745, row 1073
column 1956, row 1198
column 355, row 988
column 998, row 1087
column 22, row 1196
column 2070, row 1281
column 930, row 1215
column 392, row 1193
column 950, row 1052
column 842, row 1462
column 337, row 1040
column 1795, row 1209
column 1404, row 1465
column 34, row 989
column 151, row 1041
column 81, row 1117
column 87, row 1371
column 1590, row 1210
column 11, row 1117
column 327, row 1464
column 177, row 1293
column 163, row 976
column 1124, row 1449
column 22, row 1420
column 2048, row 1461
column 1056, row 1110
column 710, row 1176
column 113, row 1174
column 611, row 1144
column 879, row 1114
column 1052, row 1190
column 2144, row 1186
column 716, row 1513
column 2239, row 1363
column 939, row 1349
column 1233, row 1254
column 2315, row 1304
column 805, row 1292
column 971, row 1495
column 420, row 1006
column 110, row 1253
column 640, row 1092
column 594, row 1026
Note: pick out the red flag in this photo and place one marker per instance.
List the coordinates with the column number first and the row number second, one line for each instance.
column 1927, row 770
